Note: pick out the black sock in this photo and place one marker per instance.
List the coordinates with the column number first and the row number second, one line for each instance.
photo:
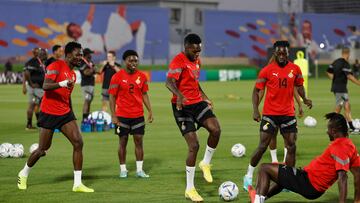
column 29, row 122
column 85, row 115
column 351, row 125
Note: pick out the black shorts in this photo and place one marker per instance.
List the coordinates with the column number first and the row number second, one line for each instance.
column 132, row 126
column 270, row 124
column 297, row 180
column 50, row 121
column 191, row 114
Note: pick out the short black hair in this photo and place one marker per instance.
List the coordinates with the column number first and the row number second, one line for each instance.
column 192, row 38
column 338, row 122
column 129, row 52
column 71, row 46
column 112, row 52
column 281, row 43
column 55, row 48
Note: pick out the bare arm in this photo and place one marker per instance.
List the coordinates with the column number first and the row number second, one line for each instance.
column 205, row 98
column 342, row 183
column 356, row 173
column 112, row 102
column 89, row 71
column 298, row 101
column 353, row 79
column 330, row 75
column 49, row 84
column 301, row 91
column 24, row 83
column 147, row 103
column 256, row 99
column 171, row 85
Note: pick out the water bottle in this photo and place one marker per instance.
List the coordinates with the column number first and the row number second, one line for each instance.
column 100, row 122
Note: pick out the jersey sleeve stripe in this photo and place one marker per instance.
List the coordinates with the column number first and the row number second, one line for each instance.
column 340, row 161
column 52, row 72
column 260, row 80
column 346, row 69
column 173, row 71
column 181, row 119
column 114, row 86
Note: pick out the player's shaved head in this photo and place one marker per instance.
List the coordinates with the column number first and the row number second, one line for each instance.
column 71, row 46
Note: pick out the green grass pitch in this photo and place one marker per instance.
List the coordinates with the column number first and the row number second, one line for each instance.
column 165, row 150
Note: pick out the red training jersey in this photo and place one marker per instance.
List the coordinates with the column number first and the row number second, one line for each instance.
column 57, row 101
column 128, row 90
column 186, row 73
column 279, row 83
column 341, row 154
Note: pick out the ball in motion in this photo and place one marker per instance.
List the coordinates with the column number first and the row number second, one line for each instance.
column 228, row 191
column 238, row 150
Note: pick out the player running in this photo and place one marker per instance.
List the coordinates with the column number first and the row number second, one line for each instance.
column 311, row 182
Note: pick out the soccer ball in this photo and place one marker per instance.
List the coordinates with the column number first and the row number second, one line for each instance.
column 17, row 151
column 33, row 147
column 356, row 123
column 228, row 191
column 5, row 149
column 238, row 150
column 310, row 121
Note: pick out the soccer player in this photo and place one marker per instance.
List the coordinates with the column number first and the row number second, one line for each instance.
column 56, row 113
column 109, row 68
column 279, row 78
column 87, row 71
column 128, row 91
column 34, row 72
column 339, row 72
column 191, row 106
column 58, row 53
column 323, row 171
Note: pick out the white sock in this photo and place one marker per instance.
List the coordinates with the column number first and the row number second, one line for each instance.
column 25, row 171
column 259, row 199
column 285, row 153
column 123, row 167
column 208, row 155
column 273, row 156
column 190, row 173
column 77, row 178
column 250, row 171
column 139, row 165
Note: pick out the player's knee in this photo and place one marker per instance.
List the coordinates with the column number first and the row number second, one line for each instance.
column 78, row 144
column 262, row 147
column 291, row 148
column 194, row 147
column 40, row 152
column 216, row 131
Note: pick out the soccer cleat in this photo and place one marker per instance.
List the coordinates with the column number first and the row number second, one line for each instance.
column 22, row 182
column 252, row 193
column 30, row 127
column 142, row 174
column 193, row 195
column 82, row 188
column 123, row 174
column 355, row 131
column 206, row 168
column 247, row 182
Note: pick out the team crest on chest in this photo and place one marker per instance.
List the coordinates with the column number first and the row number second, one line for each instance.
column 138, row 81
column 291, row 74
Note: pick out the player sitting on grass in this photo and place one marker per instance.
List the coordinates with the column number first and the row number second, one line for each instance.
column 312, row 181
